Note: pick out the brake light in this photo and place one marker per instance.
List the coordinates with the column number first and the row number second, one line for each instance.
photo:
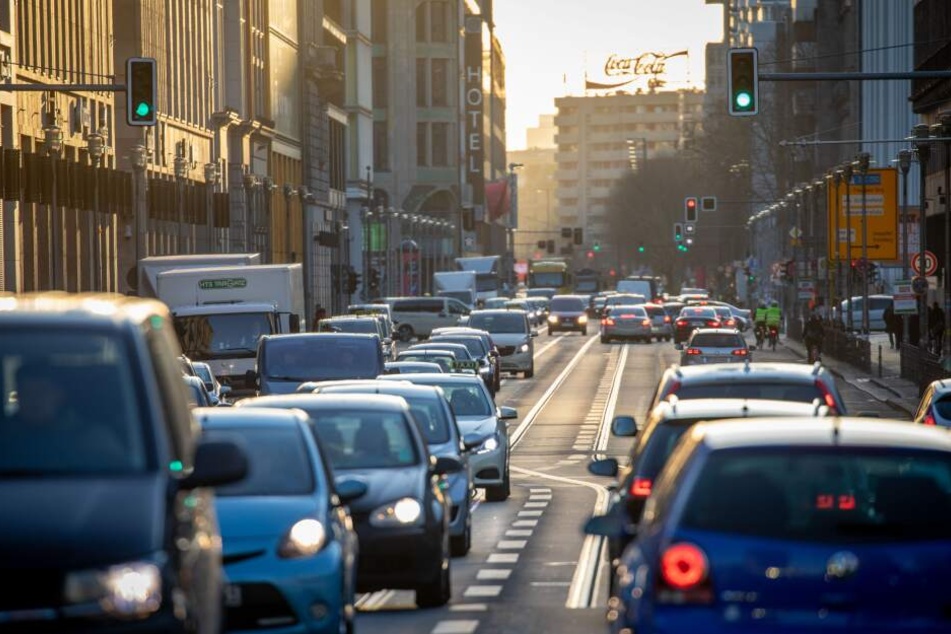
column 827, row 397
column 929, row 418
column 730, row 322
column 693, row 351
column 666, row 319
column 641, row 487
column 674, row 386
column 681, row 323
column 713, row 323
column 646, row 322
column 607, row 321
column 683, row 566
column 741, row 352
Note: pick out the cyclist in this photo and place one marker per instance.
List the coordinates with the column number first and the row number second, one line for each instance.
column 812, row 336
column 773, row 318
column 759, row 321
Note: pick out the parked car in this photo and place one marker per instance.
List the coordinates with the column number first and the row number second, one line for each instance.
column 568, row 312
column 876, row 311
column 109, row 521
column 626, row 322
column 286, row 361
column 287, row 536
column 934, row 407
column 715, row 345
column 752, row 523
column 513, row 336
column 477, row 415
column 402, row 520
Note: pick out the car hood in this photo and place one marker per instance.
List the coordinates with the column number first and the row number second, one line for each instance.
column 482, row 425
column 80, row 522
column 252, row 517
column 385, row 485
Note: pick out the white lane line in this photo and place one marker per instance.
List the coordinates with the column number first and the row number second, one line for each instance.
column 502, row 558
column 469, row 607
column 551, row 584
column 530, row 523
column 375, row 600
column 539, row 496
column 456, row 627
column 519, row 532
column 529, row 513
column 605, row 432
column 529, row 419
column 492, row 574
column 536, row 505
column 512, row 544
column 482, row 591
column 534, row 490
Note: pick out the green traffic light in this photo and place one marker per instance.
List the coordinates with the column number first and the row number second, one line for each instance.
column 597, row 247
column 143, row 109
column 640, row 249
column 743, row 99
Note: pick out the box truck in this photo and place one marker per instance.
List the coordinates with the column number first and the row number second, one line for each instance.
column 458, row 284
column 488, row 275
column 150, row 267
column 221, row 312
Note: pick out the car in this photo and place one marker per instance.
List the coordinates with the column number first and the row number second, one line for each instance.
column 106, row 479
column 715, row 345
column 486, row 338
column 568, row 312
column 513, row 336
column 445, row 359
column 783, row 525
column 216, row 390
column 541, row 291
column 437, row 423
column 692, row 317
column 662, row 326
column 534, row 317
column 286, row 534
column 410, row 367
column 476, row 413
column 782, row 381
column 626, row 322
column 663, row 427
column 382, row 311
column 197, row 392
column 463, row 359
column 402, row 521
column 541, row 306
column 934, row 407
column 623, row 299
column 488, row 366
column 363, row 324
column 495, row 302
column 877, row 304
column 286, row 361
column 672, row 309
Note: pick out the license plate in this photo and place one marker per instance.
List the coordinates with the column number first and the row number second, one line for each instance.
column 232, row 596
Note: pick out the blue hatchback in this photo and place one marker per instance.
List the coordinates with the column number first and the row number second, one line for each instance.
column 288, row 545
column 798, row 525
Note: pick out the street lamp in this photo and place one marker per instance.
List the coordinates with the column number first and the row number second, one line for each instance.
column 96, row 146
column 211, row 179
column 53, row 137
column 138, row 157
column 250, row 182
column 923, row 149
column 181, row 171
column 847, row 176
column 904, row 164
column 289, row 192
column 862, row 162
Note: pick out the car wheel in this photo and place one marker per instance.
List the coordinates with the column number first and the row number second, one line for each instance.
column 438, row 592
column 529, row 373
column 667, row 339
column 550, row 331
column 405, row 332
column 346, row 619
column 605, row 339
column 500, row 493
column 459, row 545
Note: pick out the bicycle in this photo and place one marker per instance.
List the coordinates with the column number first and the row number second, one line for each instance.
column 760, row 333
column 773, row 337
column 812, row 352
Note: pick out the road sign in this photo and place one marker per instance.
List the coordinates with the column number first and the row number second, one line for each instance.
column 806, row 289
column 920, row 285
column 931, row 263
column 470, row 242
column 795, row 232
column 905, row 301
column 881, row 198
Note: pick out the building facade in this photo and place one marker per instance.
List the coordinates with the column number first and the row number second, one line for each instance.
column 537, row 221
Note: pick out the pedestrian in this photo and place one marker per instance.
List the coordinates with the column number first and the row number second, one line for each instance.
column 888, row 316
column 899, row 329
column 914, row 330
column 936, row 324
column 319, row 313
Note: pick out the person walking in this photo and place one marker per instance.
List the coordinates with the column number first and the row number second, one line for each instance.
column 936, row 325
column 898, row 327
column 888, row 316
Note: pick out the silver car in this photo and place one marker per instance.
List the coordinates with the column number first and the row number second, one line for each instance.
column 513, row 336
column 662, row 326
column 626, row 322
column 477, row 416
column 715, row 345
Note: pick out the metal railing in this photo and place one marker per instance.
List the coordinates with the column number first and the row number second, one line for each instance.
column 920, row 366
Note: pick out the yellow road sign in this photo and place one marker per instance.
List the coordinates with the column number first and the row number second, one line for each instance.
column 881, row 198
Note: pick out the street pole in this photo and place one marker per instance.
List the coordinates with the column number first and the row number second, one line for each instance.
column 837, row 241
column 864, row 159
column 904, row 163
column 95, row 144
column 181, row 170
column 141, row 219
column 923, row 149
column 945, row 129
column 289, row 193
column 53, row 136
column 847, row 174
column 211, row 178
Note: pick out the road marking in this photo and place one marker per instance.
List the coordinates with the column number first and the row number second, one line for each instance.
column 490, row 574
column 605, row 432
column 502, row 558
column 517, row 532
column 551, row 584
column 540, row 498
column 374, row 600
column 529, row 419
column 531, row 523
column 482, row 591
column 512, row 544
column 455, row 627
column 537, row 505
column 529, row 513
column 469, row 607
column 534, row 490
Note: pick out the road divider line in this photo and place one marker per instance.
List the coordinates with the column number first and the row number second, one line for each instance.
column 604, row 432
column 529, row 418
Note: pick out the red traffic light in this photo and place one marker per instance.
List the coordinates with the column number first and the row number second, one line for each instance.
column 590, row 254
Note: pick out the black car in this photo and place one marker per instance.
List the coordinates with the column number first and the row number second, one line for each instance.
column 286, row 361
column 402, row 520
column 568, row 312
column 480, row 352
column 108, row 524
column 693, row 317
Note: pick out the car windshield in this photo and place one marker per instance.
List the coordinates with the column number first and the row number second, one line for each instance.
column 278, row 461
column 365, row 439
column 566, row 304
column 736, row 388
column 430, row 418
column 841, row 494
column 472, row 344
column 360, row 326
column 322, row 357
column 717, row 340
column 71, row 405
column 942, row 407
column 212, row 336
column 499, row 323
column 203, row 372
column 466, row 399
column 443, row 360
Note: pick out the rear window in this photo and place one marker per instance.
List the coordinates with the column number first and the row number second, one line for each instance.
column 360, row 326
column 354, row 439
column 499, row 323
column 278, row 462
column 318, row 357
column 473, row 345
column 654, row 310
column 444, row 361
column 575, row 304
column 943, row 407
column 735, row 388
column 824, row 495
column 717, row 340
column 634, row 311
column 698, row 313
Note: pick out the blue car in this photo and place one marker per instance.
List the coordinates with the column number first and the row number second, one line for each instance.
column 793, row 525
column 288, row 546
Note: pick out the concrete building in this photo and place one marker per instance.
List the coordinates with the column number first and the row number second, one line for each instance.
column 536, row 190
column 596, row 138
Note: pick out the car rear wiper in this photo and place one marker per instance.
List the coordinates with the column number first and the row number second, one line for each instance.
column 27, row 473
column 279, row 377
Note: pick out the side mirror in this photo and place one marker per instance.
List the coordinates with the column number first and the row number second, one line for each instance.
column 472, row 440
column 624, row 426
column 251, row 380
column 217, row 462
column 446, row 464
column 508, row 413
column 349, row 489
column 225, row 390
column 604, row 526
column 678, row 346
column 533, row 333
column 607, row 468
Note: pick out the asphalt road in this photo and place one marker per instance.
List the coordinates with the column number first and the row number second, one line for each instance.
column 531, row 569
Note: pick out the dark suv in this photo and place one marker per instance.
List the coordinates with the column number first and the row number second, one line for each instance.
column 568, row 312
column 103, row 474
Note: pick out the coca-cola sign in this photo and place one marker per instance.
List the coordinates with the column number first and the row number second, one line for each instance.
column 644, row 64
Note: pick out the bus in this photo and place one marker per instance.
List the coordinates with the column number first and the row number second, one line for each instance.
column 587, row 282
column 550, row 273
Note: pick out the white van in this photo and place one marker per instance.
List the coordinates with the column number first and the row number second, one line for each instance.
column 418, row 316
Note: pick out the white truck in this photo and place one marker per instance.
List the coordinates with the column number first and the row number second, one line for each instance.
column 458, row 284
column 488, row 276
column 221, row 312
column 150, row 267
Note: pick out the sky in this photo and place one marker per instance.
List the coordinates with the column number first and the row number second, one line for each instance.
column 549, row 44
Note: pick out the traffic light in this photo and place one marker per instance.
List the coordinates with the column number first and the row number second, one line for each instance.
column 678, row 232
column 374, row 280
column 353, row 282
column 590, row 255
column 743, row 82
column 597, row 247
column 141, row 91
column 579, row 235
column 640, row 248
column 690, row 209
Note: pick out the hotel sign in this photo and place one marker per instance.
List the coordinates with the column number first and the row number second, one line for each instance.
column 474, row 111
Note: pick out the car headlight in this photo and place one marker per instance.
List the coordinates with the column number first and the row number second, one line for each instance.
column 523, row 348
column 583, row 319
column 489, row 444
column 305, row 538
column 553, row 319
column 132, row 589
column 403, row 512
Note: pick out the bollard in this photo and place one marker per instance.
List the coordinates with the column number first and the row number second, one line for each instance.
column 879, row 360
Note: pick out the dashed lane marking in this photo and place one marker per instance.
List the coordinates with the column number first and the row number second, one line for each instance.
column 490, row 574
column 502, row 558
column 482, row 591
column 469, row 607
column 531, row 523
column 536, row 505
column 530, row 513
column 456, row 627
column 519, row 532
column 512, row 544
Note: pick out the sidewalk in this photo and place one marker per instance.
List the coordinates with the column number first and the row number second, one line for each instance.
column 889, row 388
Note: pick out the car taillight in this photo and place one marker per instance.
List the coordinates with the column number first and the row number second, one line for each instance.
column 684, row 576
column 827, row 397
column 646, row 322
column 741, row 352
column 681, row 323
column 607, row 321
column 666, row 319
column 641, row 487
column 693, row 351
column 730, row 322
column 929, row 418
column 674, row 387
column 713, row 323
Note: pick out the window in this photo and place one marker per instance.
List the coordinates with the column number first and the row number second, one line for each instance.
column 370, row 439
column 278, row 462
column 440, row 82
column 439, row 21
column 380, row 93
column 378, row 21
column 440, row 134
column 381, row 150
column 421, row 83
column 422, row 155
column 421, row 11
